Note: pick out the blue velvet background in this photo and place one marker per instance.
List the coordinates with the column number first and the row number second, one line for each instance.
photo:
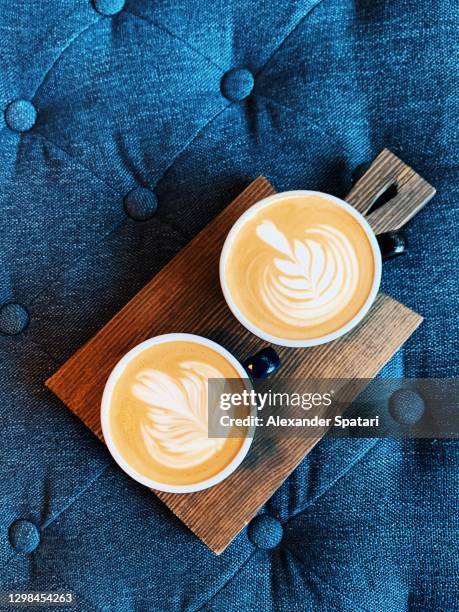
column 122, row 132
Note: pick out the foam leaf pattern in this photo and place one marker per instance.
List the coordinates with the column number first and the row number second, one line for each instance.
column 313, row 278
column 175, row 427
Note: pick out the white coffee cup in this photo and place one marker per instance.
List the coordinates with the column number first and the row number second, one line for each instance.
column 106, row 405
column 251, row 325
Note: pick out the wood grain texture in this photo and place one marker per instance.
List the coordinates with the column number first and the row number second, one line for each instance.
column 186, row 297
column 413, row 193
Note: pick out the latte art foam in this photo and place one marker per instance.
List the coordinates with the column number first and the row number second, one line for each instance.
column 175, row 424
column 313, row 278
column 299, row 268
column 159, row 413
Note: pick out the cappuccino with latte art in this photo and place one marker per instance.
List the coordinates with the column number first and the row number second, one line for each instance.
column 156, row 413
column 300, row 268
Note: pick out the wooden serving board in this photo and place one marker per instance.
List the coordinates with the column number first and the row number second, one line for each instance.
column 186, row 297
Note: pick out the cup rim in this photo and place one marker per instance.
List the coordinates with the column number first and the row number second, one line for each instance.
column 105, row 410
column 307, row 342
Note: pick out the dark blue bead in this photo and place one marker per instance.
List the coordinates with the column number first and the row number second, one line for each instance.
column 263, row 364
column 392, row 244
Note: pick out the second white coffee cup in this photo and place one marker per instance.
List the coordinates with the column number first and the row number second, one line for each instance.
column 157, row 393
column 300, row 268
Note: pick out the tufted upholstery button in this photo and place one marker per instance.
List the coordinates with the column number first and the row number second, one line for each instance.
column 141, row 204
column 406, row 406
column 265, row 531
column 237, row 84
column 24, row 536
column 14, row 318
column 108, row 7
column 20, row 115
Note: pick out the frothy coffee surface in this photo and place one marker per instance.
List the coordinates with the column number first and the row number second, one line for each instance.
column 159, row 413
column 300, row 268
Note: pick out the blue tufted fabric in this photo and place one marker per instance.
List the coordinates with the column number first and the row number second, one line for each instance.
column 14, row 318
column 237, row 84
column 265, row 531
column 406, row 406
column 141, row 203
column 125, row 126
column 20, row 115
column 108, row 7
column 24, row 536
